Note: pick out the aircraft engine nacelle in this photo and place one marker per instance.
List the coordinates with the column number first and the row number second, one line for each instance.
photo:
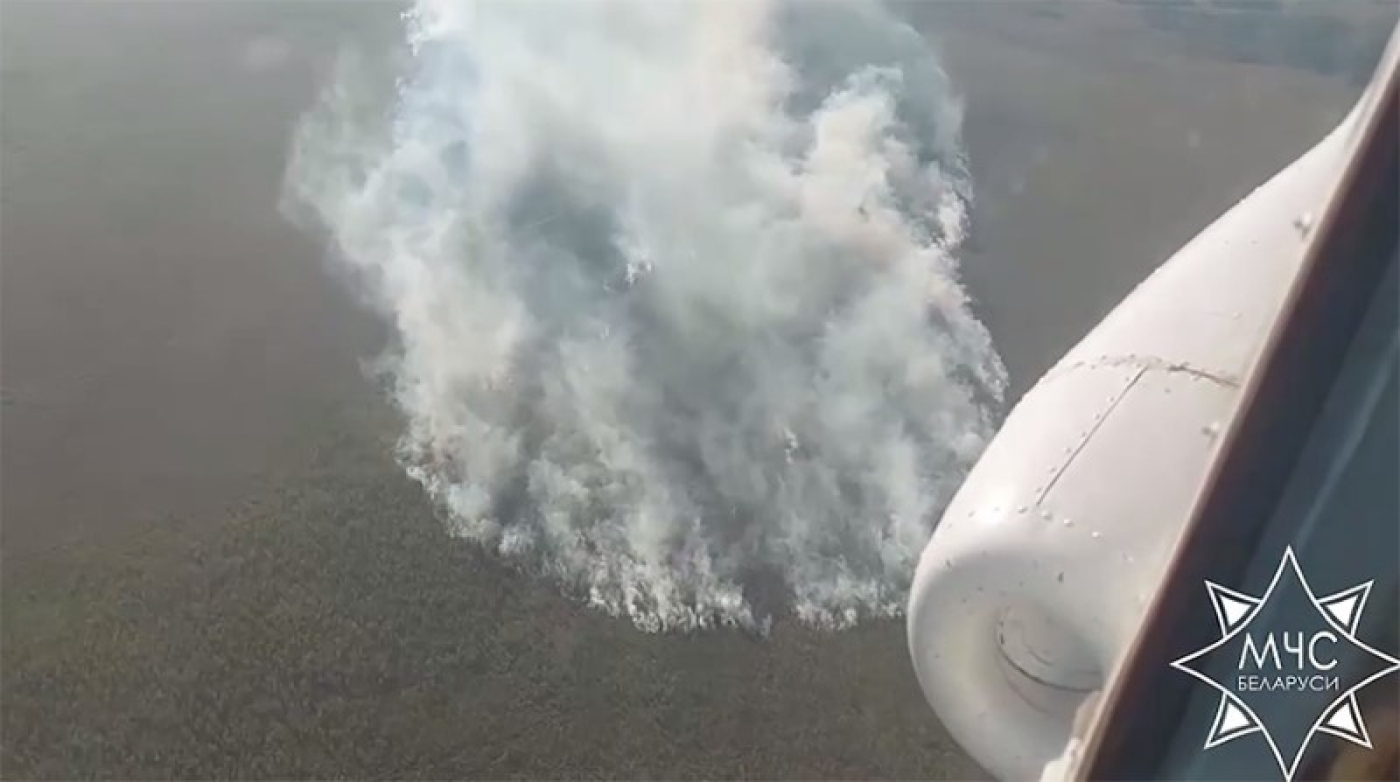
column 1034, row 582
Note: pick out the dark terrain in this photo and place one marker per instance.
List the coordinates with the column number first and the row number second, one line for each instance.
column 212, row 566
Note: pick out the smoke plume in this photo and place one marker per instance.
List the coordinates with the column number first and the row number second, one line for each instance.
column 675, row 295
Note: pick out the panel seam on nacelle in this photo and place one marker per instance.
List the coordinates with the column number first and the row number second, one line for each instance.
column 1089, row 435
column 1153, row 363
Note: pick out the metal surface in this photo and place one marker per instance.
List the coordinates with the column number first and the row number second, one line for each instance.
column 1035, row 582
column 1284, row 404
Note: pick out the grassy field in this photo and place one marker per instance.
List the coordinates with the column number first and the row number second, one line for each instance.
column 317, row 622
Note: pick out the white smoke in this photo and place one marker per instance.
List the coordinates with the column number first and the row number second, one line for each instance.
column 677, row 309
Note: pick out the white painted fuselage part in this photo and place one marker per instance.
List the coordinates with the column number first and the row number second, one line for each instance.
column 1036, row 578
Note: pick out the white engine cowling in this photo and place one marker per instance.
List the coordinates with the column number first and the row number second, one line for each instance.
column 1035, row 580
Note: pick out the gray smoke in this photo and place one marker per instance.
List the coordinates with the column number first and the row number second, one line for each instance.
column 677, row 310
